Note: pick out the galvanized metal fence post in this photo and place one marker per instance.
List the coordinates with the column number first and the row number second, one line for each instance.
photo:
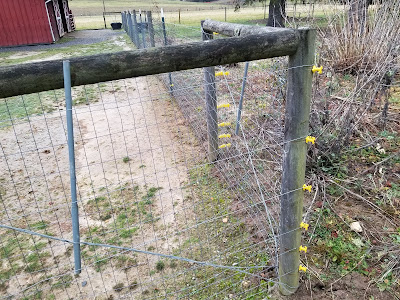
column 151, row 29
column 135, row 30
column 142, row 30
column 294, row 160
column 211, row 105
column 171, row 86
column 130, row 27
column 239, row 113
column 71, row 151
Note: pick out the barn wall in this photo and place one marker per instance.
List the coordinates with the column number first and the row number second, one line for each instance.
column 24, row 22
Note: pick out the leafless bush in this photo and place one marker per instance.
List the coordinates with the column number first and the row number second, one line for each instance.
column 355, row 41
column 365, row 47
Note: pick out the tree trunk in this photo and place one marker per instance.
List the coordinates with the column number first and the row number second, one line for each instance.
column 277, row 14
column 358, row 14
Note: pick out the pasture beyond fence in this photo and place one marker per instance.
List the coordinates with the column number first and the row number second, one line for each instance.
column 167, row 201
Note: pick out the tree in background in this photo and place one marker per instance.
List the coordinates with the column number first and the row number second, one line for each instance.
column 277, row 11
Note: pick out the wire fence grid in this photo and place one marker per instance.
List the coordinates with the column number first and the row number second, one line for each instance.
column 156, row 219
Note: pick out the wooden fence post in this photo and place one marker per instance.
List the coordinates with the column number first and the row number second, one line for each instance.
column 294, row 160
column 211, row 104
column 151, row 29
column 135, row 30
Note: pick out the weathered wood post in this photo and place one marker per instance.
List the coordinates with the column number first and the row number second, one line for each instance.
column 135, row 30
column 294, row 160
column 130, row 27
column 142, row 29
column 151, row 29
column 171, row 86
column 211, row 104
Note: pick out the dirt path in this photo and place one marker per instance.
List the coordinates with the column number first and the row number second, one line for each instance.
column 133, row 151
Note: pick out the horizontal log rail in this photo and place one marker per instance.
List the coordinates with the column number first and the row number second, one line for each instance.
column 48, row 75
column 232, row 29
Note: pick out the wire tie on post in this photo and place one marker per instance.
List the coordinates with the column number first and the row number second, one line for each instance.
column 310, row 139
column 223, row 105
column 171, row 85
column 307, row 188
column 303, row 248
column 304, row 225
column 224, row 146
column 302, row 268
column 316, row 69
column 221, row 136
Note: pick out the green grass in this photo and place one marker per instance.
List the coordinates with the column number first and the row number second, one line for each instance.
column 17, row 109
column 335, row 243
column 160, row 265
column 126, row 159
column 35, row 261
column 203, row 283
column 63, row 282
column 8, row 58
column 92, row 7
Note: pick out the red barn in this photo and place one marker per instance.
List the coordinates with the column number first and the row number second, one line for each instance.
column 28, row 22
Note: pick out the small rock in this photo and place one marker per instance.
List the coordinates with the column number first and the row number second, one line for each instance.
column 356, row 226
column 84, row 283
column 245, row 284
column 225, row 220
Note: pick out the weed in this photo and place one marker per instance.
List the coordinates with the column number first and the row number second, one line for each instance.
column 39, row 225
column 63, row 282
column 126, row 159
column 160, row 265
column 124, row 261
column 150, row 194
column 127, row 233
column 133, row 285
column 99, row 262
column 118, row 287
column 35, row 261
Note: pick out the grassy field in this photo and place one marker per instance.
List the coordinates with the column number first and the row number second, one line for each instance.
column 88, row 14
column 93, row 7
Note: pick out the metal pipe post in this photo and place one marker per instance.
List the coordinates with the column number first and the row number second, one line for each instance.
column 239, row 113
column 72, row 174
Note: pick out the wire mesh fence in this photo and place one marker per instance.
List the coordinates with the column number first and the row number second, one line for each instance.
column 156, row 218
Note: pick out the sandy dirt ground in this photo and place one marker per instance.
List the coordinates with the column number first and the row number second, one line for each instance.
column 131, row 138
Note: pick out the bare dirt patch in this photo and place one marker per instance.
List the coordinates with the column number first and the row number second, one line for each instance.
column 133, row 150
